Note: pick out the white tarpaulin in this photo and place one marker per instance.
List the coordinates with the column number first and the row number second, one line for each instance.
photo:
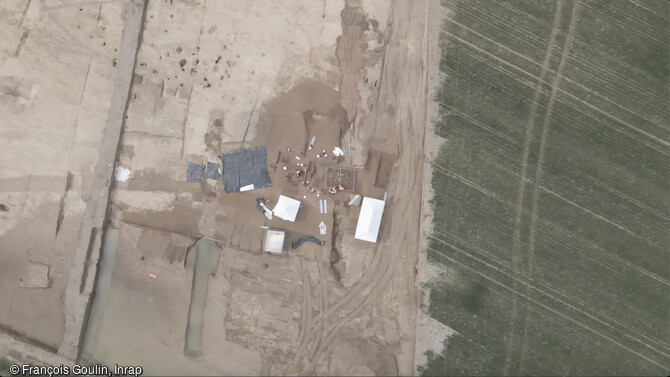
column 266, row 211
column 286, row 208
column 122, row 174
column 274, row 240
column 247, row 188
column 369, row 219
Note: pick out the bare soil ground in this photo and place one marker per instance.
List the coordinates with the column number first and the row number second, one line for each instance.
column 312, row 306
column 431, row 335
column 57, row 70
column 209, row 78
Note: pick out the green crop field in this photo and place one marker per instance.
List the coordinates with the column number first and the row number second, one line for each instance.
column 552, row 194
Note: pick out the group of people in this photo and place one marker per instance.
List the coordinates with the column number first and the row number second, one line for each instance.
column 334, row 189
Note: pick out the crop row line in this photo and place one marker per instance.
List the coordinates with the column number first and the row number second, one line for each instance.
column 587, row 104
column 628, row 68
column 651, row 275
column 632, row 83
column 627, row 16
column 555, row 311
column 619, row 83
column 543, row 289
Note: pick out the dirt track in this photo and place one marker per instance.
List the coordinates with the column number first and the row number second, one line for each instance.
column 391, row 272
column 348, row 308
column 81, row 280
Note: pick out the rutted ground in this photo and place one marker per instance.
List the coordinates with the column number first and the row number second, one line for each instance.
column 208, row 79
column 342, row 309
column 551, row 189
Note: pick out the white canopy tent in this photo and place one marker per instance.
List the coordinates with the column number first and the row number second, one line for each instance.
column 287, row 208
column 369, row 219
column 274, row 240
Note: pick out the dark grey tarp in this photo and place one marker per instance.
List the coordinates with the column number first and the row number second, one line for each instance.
column 244, row 168
column 195, row 172
column 213, row 170
column 304, row 239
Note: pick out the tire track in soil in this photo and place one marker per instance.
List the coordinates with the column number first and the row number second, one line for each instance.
column 522, row 175
column 322, row 304
column 403, row 230
column 314, row 324
column 391, row 263
column 538, row 169
column 306, row 317
column 306, row 321
column 330, row 330
column 354, row 22
column 317, row 326
column 390, row 256
column 315, row 341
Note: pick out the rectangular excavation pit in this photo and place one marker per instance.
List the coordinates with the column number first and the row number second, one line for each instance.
column 384, row 169
column 346, row 177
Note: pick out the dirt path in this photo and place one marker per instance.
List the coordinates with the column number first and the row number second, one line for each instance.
column 538, row 171
column 81, row 281
column 522, row 174
column 400, row 122
column 306, row 317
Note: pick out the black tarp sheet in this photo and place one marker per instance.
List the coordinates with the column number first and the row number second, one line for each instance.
column 243, row 168
column 213, row 170
column 195, row 172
